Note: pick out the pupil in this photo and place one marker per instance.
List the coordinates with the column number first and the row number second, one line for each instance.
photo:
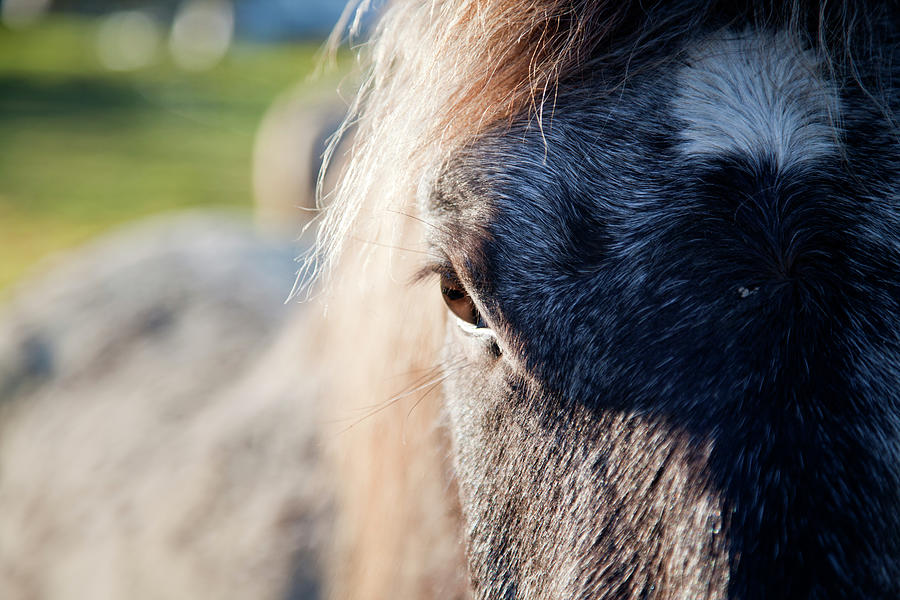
column 453, row 294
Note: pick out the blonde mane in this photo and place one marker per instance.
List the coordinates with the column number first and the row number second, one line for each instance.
column 441, row 72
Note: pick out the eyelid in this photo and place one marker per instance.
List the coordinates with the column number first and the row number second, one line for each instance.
column 470, row 329
column 441, row 268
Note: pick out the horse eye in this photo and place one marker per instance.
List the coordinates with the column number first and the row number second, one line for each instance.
column 459, row 302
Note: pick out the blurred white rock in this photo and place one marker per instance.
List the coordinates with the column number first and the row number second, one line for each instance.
column 202, row 32
column 287, row 157
column 158, row 433
column 128, row 40
column 16, row 14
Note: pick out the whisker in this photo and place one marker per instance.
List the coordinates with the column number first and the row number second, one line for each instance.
column 420, row 220
column 442, row 371
column 429, row 373
column 414, row 387
column 392, row 402
column 410, row 411
column 389, row 246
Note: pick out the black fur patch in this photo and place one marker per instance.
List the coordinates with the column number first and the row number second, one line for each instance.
column 699, row 391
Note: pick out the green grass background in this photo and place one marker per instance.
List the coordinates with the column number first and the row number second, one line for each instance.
column 83, row 148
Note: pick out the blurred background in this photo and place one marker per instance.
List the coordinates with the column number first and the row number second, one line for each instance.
column 159, row 435
column 114, row 110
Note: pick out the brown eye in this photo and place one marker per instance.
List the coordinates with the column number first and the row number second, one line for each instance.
column 459, row 302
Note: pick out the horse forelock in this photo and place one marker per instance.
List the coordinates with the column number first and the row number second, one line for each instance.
column 440, row 73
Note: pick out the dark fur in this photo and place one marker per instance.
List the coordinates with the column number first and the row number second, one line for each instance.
column 695, row 392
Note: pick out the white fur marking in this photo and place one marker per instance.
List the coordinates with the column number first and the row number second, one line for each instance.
column 758, row 95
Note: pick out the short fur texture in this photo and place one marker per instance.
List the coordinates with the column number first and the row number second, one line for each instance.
column 679, row 224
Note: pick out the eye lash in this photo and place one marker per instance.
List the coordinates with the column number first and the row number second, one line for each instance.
column 441, row 268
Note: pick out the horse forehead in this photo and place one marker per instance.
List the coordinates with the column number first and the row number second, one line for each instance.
column 758, row 95
column 757, row 98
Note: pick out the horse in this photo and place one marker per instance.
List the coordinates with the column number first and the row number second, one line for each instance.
column 613, row 303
